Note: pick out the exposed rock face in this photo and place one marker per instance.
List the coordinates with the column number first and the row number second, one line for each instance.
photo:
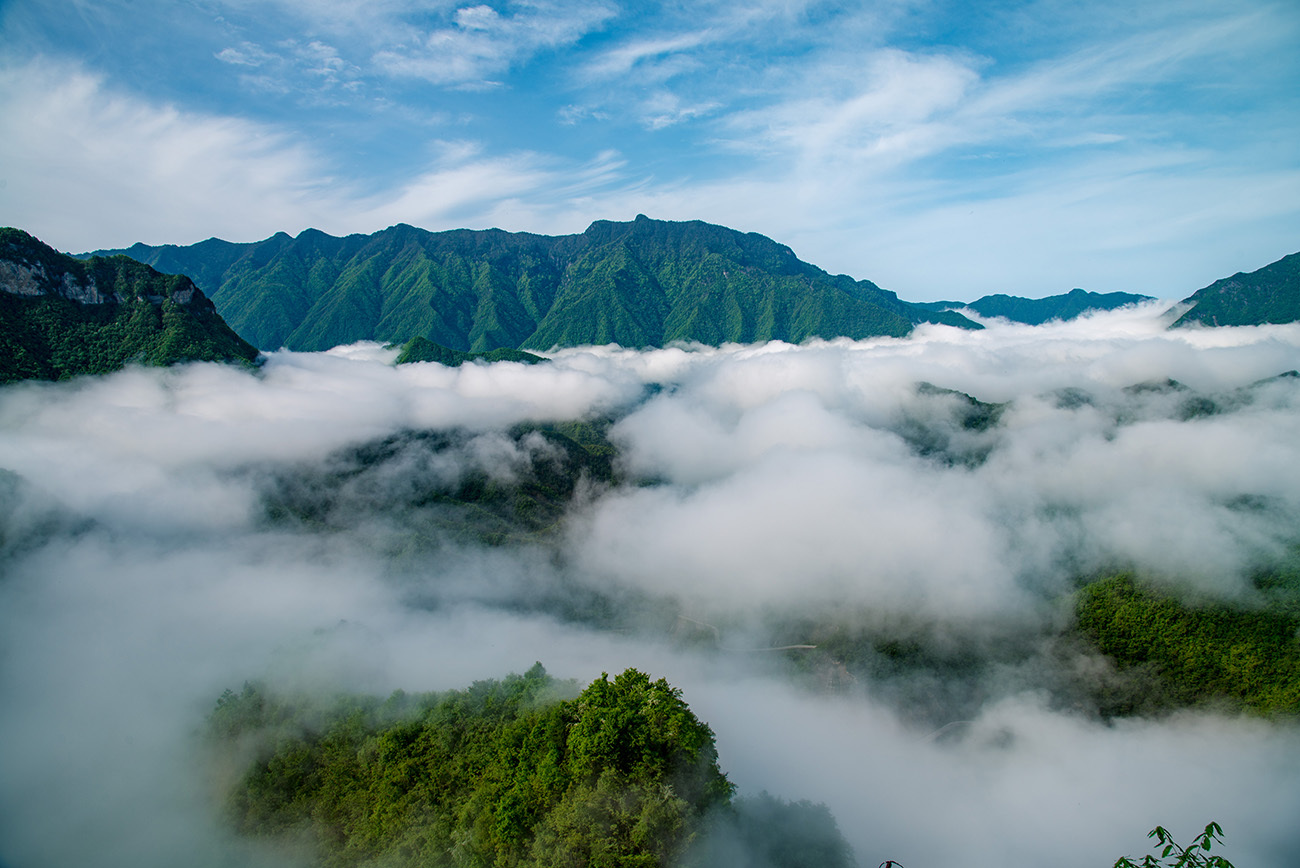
column 27, row 278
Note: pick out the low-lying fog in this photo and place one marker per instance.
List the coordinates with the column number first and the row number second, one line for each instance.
column 766, row 490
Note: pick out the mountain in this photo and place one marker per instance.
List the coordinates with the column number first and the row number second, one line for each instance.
column 61, row 317
column 1036, row 311
column 420, row 349
column 1269, row 295
column 640, row 283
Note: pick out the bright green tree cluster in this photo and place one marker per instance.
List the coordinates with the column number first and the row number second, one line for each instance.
column 502, row 774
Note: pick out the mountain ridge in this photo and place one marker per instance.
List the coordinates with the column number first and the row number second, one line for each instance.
column 639, row 283
column 1036, row 311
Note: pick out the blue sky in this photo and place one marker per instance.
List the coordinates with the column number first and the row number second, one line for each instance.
column 943, row 150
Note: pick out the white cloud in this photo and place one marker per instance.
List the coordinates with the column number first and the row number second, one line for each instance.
column 891, row 114
column 82, row 152
column 483, row 43
column 247, row 54
column 621, row 59
column 782, row 485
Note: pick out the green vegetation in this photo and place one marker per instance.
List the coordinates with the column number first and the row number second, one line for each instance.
column 64, row 317
column 1269, row 295
column 638, row 284
column 1036, row 311
column 517, row 772
column 1174, row 855
column 424, row 350
column 1197, row 652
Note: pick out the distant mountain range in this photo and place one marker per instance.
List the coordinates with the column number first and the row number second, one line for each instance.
column 61, row 317
column 638, row 284
column 1036, row 311
column 466, row 295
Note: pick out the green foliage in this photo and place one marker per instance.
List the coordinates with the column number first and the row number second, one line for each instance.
column 643, row 283
column 64, row 317
column 420, row 349
column 506, row 773
column 1269, row 295
column 1251, row 657
column 1174, row 855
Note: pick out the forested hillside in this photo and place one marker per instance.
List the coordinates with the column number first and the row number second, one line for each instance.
column 1198, row 652
column 63, row 317
column 1268, row 295
column 641, row 283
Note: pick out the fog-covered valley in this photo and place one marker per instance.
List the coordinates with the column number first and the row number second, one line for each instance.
column 857, row 560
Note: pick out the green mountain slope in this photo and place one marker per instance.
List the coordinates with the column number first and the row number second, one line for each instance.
column 640, row 283
column 61, row 317
column 1036, row 311
column 1269, row 295
column 1197, row 653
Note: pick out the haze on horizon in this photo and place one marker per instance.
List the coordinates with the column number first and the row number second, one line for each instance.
column 144, row 572
column 941, row 150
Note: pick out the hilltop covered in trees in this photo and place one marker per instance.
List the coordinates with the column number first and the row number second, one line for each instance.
column 517, row 772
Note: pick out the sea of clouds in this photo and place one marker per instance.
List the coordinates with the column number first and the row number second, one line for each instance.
column 140, row 575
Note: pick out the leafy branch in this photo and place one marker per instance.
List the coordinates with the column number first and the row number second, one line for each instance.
column 1194, row 855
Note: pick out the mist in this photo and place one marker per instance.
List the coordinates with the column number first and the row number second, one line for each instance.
column 166, row 534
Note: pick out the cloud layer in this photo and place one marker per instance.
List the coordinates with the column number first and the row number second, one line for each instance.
column 767, row 487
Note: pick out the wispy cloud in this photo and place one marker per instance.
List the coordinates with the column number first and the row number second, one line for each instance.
column 310, row 69
column 621, row 59
column 897, row 111
column 481, row 43
column 86, row 151
column 182, row 176
column 460, row 186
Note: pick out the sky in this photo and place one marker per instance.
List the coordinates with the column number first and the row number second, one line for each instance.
column 944, row 150
column 775, row 485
